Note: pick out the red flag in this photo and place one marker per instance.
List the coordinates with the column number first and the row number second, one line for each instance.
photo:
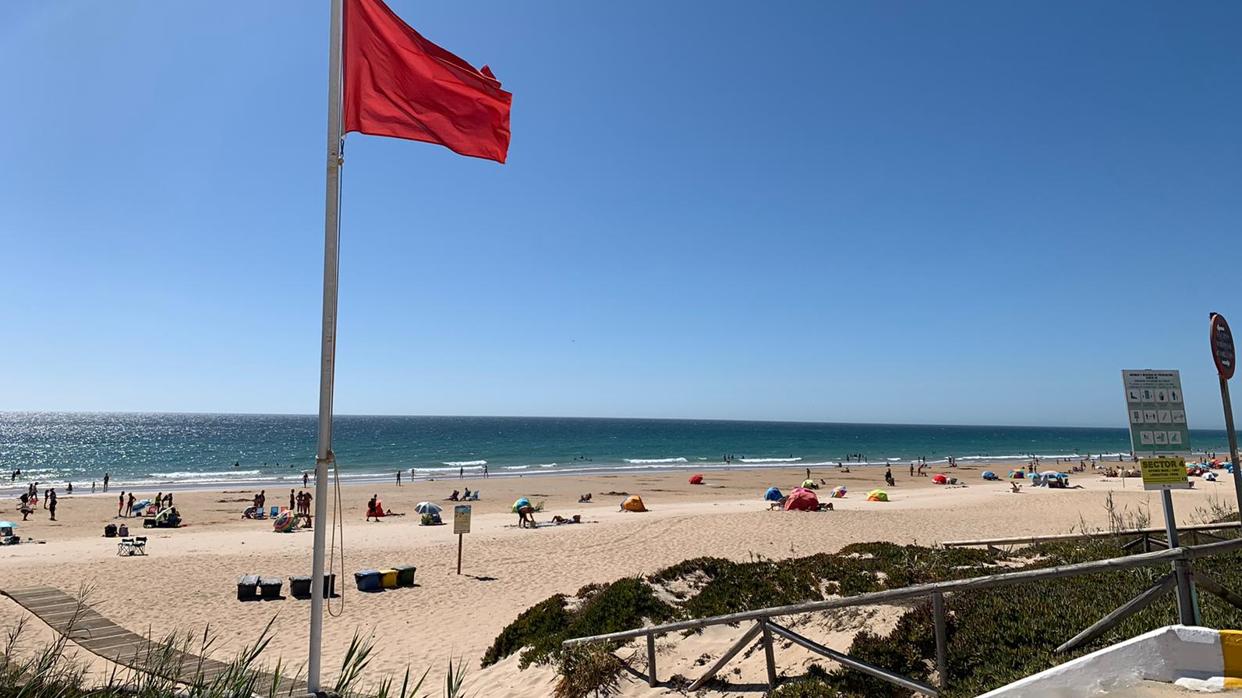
column 399, row 84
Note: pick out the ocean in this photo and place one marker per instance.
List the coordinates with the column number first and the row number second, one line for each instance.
column 208, row 450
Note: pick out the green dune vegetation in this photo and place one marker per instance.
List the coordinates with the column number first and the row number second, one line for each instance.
column 994, row 636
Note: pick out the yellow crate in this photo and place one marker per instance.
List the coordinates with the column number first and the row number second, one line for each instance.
column 388, row 579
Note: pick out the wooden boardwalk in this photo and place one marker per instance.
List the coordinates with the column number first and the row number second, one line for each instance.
column 88, row 628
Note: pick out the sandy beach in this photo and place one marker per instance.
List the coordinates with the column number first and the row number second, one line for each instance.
column 188, row 579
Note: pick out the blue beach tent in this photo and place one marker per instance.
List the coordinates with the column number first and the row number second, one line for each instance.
column 772, row 495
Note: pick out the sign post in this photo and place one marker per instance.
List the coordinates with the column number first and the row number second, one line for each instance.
column 461, row 526
column 1158, row 426
column 1225, row 357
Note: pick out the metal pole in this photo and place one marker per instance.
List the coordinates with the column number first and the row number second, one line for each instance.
column 459, row 540
column 327, row 357
column 1233, row 440
column 1185, row 601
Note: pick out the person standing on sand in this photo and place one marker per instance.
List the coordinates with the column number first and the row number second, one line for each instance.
column 120, row 503
column 461, row 473
column 51, row 504
column 107, row 478
column 808, row 473
column 485, row 471
column 398, row 478
column 911, row 468
column 291, row 500
column 129, row 507
column 305, row 477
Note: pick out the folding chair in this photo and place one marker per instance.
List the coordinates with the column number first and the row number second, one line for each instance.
column 125, row 547
column 275, row 512
column 140, row 545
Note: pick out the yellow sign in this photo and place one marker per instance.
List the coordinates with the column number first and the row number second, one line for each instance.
column 461, row 518
column 1164, row 474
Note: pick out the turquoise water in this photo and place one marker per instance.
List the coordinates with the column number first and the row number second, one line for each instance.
column 201, row 449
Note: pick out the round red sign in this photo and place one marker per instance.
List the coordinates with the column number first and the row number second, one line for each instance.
column 1222, row 347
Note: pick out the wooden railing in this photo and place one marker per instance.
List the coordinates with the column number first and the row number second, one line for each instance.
column 764, row 627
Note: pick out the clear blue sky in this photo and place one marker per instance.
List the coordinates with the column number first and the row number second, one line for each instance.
column 860, row 211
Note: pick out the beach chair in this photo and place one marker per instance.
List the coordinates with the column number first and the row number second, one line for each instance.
column 275, row 512
column 140, row 545
column 125, row 547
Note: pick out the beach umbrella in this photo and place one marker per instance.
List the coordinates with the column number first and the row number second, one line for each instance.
column 802, row 499
column 838, row 492
column 877, row 496
column 284, row 523
column 428, row 508
column 989, row 475
column 940, row 479
column 809, row 484
column 696, row 479
column 521, row 502
column 772, row 495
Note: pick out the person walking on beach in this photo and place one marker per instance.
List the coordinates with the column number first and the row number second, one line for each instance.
column 398, row 478
column 911, row 468
column 461, row 473
column 485, row 471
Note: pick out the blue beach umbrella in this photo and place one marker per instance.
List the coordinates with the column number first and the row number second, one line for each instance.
column 772, row 495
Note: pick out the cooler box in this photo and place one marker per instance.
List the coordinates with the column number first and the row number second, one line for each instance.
column 269, row 587
column 299, row 587
column 247, row 587
column 405, row 575
column 388, row 578
column 367, row 580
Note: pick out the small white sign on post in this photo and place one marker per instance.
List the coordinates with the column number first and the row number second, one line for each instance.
column 461, row 519
column 461, row 526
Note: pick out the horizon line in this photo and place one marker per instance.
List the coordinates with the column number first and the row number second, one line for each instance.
column 625, row 418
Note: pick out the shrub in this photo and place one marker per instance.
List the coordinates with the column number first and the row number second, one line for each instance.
column 588, row 670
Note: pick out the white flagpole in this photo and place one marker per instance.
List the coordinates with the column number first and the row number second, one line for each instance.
column 327, row 364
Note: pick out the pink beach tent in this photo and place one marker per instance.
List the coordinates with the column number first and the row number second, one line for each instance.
column 802, row 499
